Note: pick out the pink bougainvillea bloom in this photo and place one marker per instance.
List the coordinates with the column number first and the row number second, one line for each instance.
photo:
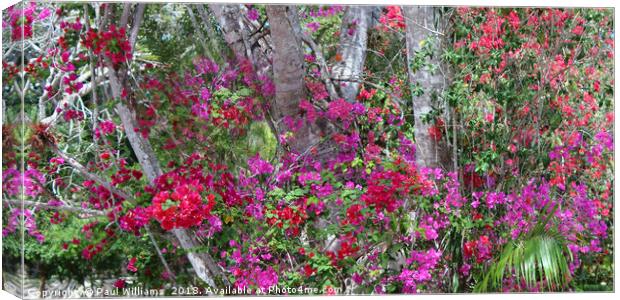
column 131, row 266
column 253, row 14
column 259, row 166
column 313, row 26
column 489, row 117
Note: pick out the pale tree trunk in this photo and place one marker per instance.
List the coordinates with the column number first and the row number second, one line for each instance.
column 424, row 26
column 288, row 74
column 352, row 48
column 202, row 263
column 243, row 36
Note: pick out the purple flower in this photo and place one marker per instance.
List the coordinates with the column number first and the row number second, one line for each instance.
column 322, row 191
column 423, row 263
column 237, row 257
column 32, row 182
column 345, row 111
column 255, row 210
column 313, row 26
column 268, row 88
column 206, row 66
column 284, row 176
column 253, row 14
column 216, row 224
column 357, row 278
column 605, row 138
column 258, row 166
column 267, row 278
column 464, row 269
column 352, row 28
column 205, row 94
column 201, row 110
column 304, row 177
column 29, row 224
column 46, row 12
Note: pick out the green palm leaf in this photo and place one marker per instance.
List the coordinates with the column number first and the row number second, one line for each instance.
column 540, row 257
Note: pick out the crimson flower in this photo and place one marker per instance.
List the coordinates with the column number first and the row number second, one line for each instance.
column 131, row 267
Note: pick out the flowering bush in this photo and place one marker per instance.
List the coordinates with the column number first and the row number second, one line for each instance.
column 143, row 160
column 112, row 43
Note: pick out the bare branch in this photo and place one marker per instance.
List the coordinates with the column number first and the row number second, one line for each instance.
column 323, row 66
column 91, row 212
column 88, row 175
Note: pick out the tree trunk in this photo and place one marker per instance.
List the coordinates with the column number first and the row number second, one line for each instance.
column 241, row 35
column 288, row 74
column 356, row 22
column 424, row 26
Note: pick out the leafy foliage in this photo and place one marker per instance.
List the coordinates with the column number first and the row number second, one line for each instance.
column 526, row 113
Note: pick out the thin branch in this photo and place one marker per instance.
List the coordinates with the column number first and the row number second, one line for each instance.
column 322, row 65
column 93, row 75
column 424, row 27
column 204, row 15
column 159, row 253
column 55, row 207
column 84, row 172
column 199, row 31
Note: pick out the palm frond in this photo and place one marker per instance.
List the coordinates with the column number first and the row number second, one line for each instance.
column 540, row 258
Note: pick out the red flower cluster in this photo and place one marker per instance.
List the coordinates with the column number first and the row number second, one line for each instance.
column 123, row 174
column 435, row 130
column 347, row 249
column 91, row 250
column 493, row 31
column 288, row 218
column 35, row 67
column 309, row 270
column 393, row 18
column 365, row 94
column 131, row 266
column 73, row 86
column 21, row 22
column 112, row 43
column 354, row 215
column 72, row 114
column 480, row 248
column 230, row 114
column 182, row 208
column 384, row 190
column 9, row 70
column 134, row 220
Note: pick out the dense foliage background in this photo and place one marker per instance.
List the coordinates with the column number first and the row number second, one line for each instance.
column 348, row 149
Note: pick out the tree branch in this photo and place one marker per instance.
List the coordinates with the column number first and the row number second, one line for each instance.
column 55, row 207
column 322, row 65
column 90, row 176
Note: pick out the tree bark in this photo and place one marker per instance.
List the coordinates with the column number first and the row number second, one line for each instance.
column 288, row 74
column 238, row 30
column 356, row 22
column 423, row 26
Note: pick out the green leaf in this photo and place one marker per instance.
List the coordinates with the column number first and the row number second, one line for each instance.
column 539, row 257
